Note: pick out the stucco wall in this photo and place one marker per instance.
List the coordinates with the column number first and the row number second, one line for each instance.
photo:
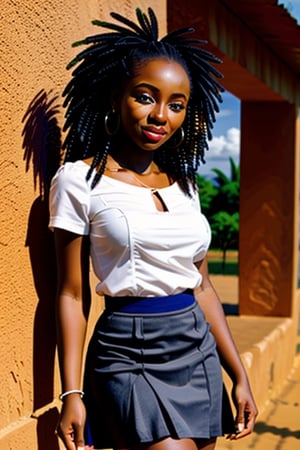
column 36, row 39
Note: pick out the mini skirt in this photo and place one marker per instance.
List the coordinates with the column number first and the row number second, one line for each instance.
column 152, row 376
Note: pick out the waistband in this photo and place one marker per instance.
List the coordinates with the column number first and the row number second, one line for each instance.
column 149, row 305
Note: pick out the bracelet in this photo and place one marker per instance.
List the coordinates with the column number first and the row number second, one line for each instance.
column 72, row 391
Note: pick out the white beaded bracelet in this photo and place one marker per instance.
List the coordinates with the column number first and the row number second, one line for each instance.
column 72, row 391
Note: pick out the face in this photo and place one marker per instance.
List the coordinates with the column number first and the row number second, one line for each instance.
column 153, row 103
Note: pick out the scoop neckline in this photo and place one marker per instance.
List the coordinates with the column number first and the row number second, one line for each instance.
column 146, row 189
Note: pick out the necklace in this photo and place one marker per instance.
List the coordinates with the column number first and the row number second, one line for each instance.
column 116, row 167
column 133, row 176
column 154, row 191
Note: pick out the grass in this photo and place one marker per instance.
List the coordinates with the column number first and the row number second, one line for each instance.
column 231, row 264
column 215, row 262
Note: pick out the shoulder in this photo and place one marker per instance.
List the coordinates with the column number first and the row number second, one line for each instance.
column 69, row 199
column 70, row 183
column 71, row 173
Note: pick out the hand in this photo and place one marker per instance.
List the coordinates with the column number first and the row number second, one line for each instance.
column 246, row 411
column 70, row 427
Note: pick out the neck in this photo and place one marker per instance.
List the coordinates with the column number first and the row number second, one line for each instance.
column 141, row 162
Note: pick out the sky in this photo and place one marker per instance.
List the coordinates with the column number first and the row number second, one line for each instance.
column 226, row 131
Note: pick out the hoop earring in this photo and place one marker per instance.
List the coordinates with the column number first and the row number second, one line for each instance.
column 112, row 122
column 177, row 141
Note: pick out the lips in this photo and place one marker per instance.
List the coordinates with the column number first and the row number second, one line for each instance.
column 154, row 134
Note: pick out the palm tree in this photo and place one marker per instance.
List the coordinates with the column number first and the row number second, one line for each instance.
column 228, row 189
column 234, row 173
column 220, row 203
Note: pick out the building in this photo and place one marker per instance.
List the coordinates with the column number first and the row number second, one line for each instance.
column 260, row 46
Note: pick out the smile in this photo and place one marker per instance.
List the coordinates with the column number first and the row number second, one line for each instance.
column 154, row 134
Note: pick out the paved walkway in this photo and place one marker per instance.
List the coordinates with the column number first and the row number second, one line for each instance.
column 278, row 425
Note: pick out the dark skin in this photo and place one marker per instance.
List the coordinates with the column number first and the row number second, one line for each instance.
column 152, row 106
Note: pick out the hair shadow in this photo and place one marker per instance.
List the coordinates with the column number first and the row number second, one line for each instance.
column 42, row 151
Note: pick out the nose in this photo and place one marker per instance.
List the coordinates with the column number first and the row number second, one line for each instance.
column 158, row 114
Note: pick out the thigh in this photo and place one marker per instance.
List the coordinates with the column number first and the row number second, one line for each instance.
column 206, row 444
column 177, row 444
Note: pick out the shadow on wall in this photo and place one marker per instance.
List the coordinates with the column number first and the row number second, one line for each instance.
column 42, row 150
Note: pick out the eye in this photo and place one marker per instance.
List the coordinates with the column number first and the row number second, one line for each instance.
column 144, row 99
column 177, row 106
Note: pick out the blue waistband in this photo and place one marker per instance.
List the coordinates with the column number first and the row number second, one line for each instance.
column 146, row 305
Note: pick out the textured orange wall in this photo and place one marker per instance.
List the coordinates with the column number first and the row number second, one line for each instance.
column 36, row 39
column 268, row 209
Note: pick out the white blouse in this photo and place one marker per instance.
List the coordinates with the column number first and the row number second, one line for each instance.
column 135, row 249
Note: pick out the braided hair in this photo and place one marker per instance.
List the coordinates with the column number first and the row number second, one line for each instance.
column 113, row 55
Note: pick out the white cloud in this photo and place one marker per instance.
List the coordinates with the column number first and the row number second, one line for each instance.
column 225, row 113
column 222, row 147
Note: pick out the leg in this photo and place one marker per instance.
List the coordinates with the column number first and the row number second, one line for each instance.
column 177, row 444
column 206, row 444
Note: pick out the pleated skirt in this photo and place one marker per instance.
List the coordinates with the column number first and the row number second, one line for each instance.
column 152, row 376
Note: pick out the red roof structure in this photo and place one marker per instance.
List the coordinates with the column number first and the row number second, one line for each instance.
column 273, row 25
column 258, row 41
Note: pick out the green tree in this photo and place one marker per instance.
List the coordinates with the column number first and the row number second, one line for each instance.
column 220, row 203
column 207, row 193
column 225, row 230
column 228, row 197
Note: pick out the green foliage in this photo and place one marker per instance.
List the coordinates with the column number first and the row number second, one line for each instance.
column 207, row 192
column 234, row 174
column 217, row 267
column 220, row 203
column 228, row 196
column 225, row 231
column 225, row 226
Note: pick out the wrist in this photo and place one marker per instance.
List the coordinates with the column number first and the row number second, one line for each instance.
column 65, row 394
column 240, row 379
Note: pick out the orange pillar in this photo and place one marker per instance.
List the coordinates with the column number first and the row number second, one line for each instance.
column 269, row 209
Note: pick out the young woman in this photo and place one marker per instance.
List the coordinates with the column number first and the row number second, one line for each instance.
column 139, row 113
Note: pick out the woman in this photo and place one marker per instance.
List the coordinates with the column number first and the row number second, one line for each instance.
column 139, row 113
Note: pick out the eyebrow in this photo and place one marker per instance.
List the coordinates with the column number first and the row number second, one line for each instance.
column 154, row 88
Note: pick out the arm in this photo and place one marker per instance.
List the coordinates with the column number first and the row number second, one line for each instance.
column 212, row 308
column 73, row 304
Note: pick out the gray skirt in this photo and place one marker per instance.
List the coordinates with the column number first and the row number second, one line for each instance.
column 152, row 376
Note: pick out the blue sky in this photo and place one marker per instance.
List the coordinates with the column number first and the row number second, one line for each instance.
column 293, row 6
column 226, row 132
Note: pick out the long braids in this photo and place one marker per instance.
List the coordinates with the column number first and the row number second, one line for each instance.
column 112, row 56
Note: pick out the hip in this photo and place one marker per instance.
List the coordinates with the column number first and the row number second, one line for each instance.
column 154, row 337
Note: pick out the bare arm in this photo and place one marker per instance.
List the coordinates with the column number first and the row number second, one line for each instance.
column 73, row 304
column 213, row 310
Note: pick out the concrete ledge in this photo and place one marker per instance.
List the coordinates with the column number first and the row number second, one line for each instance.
column 32, row 433
column 267, row 346
column 19, row 435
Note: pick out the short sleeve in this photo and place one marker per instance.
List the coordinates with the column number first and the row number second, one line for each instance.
column 69, row 200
